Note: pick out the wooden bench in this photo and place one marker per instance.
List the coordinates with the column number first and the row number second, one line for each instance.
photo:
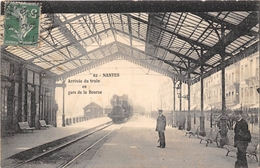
column 43, row 124
column 194, row 131
column 211, row 137
column 251, row 150
column 24, row 127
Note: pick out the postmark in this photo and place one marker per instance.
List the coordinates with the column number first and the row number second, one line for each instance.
column 22, row 24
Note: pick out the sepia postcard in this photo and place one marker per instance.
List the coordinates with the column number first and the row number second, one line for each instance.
column 129, row 84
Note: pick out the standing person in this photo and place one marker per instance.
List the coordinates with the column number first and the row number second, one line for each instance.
column 160, row 127
column 242, row 138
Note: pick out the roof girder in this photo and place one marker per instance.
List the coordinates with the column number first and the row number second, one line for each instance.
column 176, row 34
column 165, row 61
column 252, row 49
column 112, row 57
column 250, row 21
column 71, row 44
column 226, row 24
column 98, row 34
column 82, row 55
column 161, row 70
column 171, row 51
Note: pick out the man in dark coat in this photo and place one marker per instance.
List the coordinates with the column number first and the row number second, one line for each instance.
column 242, row 138
column 160, row 127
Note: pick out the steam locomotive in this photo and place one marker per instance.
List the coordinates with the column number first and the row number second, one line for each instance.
column 122, row 110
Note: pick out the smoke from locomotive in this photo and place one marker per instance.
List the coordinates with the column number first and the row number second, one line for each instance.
column 122, row 109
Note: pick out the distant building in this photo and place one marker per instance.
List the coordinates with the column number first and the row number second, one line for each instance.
column 93, row 110
column 249, row 81
column 241, row 83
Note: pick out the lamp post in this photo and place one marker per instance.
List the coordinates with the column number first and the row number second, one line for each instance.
column 182, row 117
column 178, row 113
column 63, row 103
column 210, row 116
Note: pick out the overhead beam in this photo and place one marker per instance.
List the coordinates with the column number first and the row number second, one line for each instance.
column 169, row 50
column 116, row 56
column 169, row 63
column 143, row 6
column 70, row 44
column 183, row 56
column 82, row 55
column 130, row 33
column 157, row 69
column 238, row 57
column 176, row 34
column 97, row 41
column 250, row 21
column 86, row 67
column 158, row 58
column 228, row 25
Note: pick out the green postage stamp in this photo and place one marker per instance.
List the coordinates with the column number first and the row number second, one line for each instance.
column 22, row 24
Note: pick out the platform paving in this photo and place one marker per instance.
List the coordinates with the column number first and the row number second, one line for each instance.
column 20, row 142
column 135, row 146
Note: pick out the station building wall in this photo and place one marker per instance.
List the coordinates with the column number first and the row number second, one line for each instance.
column 27, row 94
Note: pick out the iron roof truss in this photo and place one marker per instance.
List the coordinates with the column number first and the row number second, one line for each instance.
column 173, row 38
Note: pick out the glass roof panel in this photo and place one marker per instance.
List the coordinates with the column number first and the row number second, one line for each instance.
column 104, row 21
column 85, row 61
column 91, row 56
column 36, row 51
column 98, row 54
column 213, row 60
column 142, row 32
column 106, row 52
column 42, row 63
column 70, row 65
column 70, row 16
column 48, row 60
column 138, row 45
column 77, row 32
column 123, row 40
column 73, row 51
column 21, row 52
column 177, row 44
column 169, row 56
column 236, row 17
column 113, row 49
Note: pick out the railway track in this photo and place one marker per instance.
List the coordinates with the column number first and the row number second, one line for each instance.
column 68, row 153
column 70, row 162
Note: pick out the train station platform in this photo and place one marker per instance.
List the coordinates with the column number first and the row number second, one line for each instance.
column 20, row 142
column 133, row 146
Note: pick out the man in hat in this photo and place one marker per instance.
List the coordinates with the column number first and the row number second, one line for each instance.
column 160, row 127
column 241, row 139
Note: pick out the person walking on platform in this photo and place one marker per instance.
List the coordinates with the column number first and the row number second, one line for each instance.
column 160, row 128
column 241, row 139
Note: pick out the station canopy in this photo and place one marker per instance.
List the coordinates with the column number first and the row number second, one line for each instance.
column 183, row 40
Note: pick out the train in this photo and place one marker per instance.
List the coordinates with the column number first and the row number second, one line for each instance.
column 122, row 109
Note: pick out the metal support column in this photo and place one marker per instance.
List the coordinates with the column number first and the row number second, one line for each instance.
column 188, row 98
column 63, row 103
column 174, row 115
column 189, row 114
column 223, row 119
column 202, row 116
column 180, row 95
column 174, row 92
